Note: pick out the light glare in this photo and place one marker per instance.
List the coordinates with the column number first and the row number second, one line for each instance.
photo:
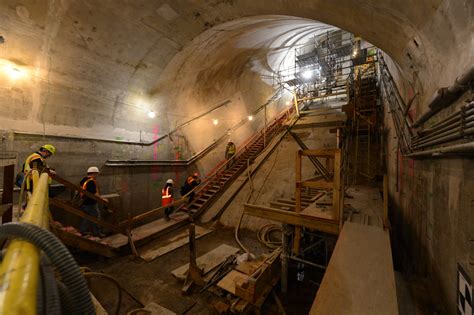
column 250, row 117
column 151, row 114
column 215, row 121
column 308, row 74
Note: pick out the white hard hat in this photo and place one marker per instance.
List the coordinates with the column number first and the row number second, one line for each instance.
column 93, row 169
column 170, row 181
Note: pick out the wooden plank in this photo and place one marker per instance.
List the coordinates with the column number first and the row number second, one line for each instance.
column 152, row 229
column 319, row 152
column 320, row 184
column 208, row 261
column 78, row 188
column 65, row 206
column 316, row 211
column 84, row 244
column 338, row 200
column 173, row 243
column 228, row 282
column 292, row 218
column 367, row 287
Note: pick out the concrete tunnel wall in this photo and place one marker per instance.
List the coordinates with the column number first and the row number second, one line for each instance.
column 93, row 74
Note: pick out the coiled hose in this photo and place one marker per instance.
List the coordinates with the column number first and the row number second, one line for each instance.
column 263, row 235
column 60, row 258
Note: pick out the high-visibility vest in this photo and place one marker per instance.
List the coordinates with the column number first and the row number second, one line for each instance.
column 27, row 168
column 166, row 197
column 190, row 180
column 84, row 186
column 231, row 149
column 34, row 156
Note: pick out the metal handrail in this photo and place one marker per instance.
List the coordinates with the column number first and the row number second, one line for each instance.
column 19, row 271
column 215, row 172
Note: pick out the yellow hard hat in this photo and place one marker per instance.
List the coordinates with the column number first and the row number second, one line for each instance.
column 50, row 148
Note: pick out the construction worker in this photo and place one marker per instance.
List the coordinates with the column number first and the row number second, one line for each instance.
column 89, row 205
column 230, row 150
column 167, row 198
column 191, row 182
column 36, row 161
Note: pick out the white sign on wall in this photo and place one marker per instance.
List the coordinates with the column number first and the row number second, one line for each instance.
column 464, row 293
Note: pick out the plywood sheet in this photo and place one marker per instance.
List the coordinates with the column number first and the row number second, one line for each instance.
column 228, row 282
column 318, row 211
column 141, row 232
column 208, row 261
column 360, row 277
column 172, row 243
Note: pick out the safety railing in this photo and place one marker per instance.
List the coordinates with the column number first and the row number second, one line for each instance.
column 209, row 178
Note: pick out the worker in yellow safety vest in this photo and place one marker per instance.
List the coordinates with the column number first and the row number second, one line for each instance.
column 37, row 161
column 230, row 150
column 167, row 198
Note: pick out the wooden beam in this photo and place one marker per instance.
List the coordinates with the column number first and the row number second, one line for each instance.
column 78, row 188
column 338, row 200
column 320, row 152
column 292, row 218
column 319, row 184
column 7, row 196
column 63, row 205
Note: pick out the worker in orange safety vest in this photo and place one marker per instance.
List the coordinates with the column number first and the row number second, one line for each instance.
column 167, row 198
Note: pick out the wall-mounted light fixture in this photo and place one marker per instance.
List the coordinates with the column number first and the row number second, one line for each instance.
column 215, row 121
column 151, row 114
column 12, row 70
column 250, row 117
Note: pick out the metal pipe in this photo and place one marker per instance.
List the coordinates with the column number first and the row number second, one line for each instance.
column 307, row 262
column 467, row 148
column 19, row 271
column 461, row 124
column 467, row 109
column 446, row 96
column 456, row 136
column 435, row 137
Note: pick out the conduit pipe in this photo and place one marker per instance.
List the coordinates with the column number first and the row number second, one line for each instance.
column 194, row 158
column 446, row 96
column 449, row 137
column 125, row 141
column 457, row 148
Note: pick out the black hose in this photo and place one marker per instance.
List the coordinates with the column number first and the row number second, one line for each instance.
column 49, row 301
column 61, row 259
column 66, row 301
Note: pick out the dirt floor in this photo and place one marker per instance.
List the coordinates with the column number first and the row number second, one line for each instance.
column 153, row 282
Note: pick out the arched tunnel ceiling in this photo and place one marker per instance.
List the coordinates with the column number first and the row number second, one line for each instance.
column 93, row 63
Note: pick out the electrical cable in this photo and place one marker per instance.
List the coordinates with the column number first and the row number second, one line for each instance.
column 88, row 273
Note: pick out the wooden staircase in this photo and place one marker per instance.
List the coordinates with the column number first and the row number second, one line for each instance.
column 126, row 235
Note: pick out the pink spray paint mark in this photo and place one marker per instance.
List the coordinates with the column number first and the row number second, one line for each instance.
column 154, row 169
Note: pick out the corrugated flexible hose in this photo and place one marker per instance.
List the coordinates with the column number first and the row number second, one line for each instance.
column 59, row 257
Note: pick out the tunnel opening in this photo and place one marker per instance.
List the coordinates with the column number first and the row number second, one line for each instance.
column 152, row 93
